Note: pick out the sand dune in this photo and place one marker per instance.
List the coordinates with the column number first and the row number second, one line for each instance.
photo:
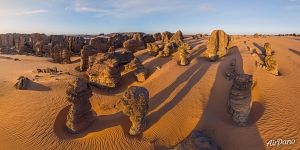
column 181, row 99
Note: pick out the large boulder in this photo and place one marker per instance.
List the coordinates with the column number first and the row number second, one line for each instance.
column 153, row 49
column 239, row 102
column 104, row 72
column 217, row 45
column 182, row 50
column 60, row 52
column 134, row 104
column 80, row 115
column 271, row 65
column 148, row 38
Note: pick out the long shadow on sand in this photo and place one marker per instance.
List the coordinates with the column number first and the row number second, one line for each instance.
column 33, row 86
column 262, row 49
column 216, row 121
column 294, row 51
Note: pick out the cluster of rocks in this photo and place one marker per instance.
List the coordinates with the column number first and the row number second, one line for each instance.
column 197, row 141
column 138, row 69
column 22, row 83
column 198, row 36
column 239, row 102
column 80, row 115
column 52, row 70
column 134, row 104
column 105, row 68
column 135, row 44
column 218, row 45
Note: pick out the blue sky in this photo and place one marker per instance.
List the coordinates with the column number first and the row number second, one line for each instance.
column 191, row 16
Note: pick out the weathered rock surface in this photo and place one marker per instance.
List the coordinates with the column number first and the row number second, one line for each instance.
column 147, row 38
column 60, row 52
column 231, row 71
column 197, row 141
column 153, row 49
column 102, row 44
column 52, row 70
column 134, row 104
column 166, row 37
column 157, row 36
column 135, row 44
column 218, row 45
column 86, row 51
column 177, row 38
column 80, row 115
column 239, row 103
column 182, row 50
column 271, row 65
column 268, row 50
column 104, row 72
column 22, row 83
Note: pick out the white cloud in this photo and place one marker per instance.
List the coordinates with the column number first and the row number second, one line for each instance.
column 133, row 8
column 13, row 13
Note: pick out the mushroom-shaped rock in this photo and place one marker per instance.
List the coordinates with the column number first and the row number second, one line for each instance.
column 81, row 115
column 135, row 105
column 239, row 103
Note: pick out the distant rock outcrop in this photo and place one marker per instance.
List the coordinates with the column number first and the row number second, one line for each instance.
column 100, row 43
column 134, row 104
column 60, row 52
column 157, row 36
column 166, row 37
column 177, row 38
column 135, row 44
column 218, row 45
column 239, row 103
column 86, row 51
column 80, row 115
column 197, row 141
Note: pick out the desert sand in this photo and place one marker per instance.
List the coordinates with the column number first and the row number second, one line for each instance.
column 182, row 99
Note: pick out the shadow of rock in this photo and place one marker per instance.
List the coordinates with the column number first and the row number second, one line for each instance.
column 257, row 111
column 262, row 49
column 101, row 123
column 294, row 51
column 33, row 86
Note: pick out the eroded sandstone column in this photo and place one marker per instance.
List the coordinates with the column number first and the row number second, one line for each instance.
column 135, row 105
column 80, row 114
column 239, row 103
column 217, row 45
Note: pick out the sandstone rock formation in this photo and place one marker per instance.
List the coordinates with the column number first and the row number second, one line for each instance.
column 60, row 52
column 183, row 54
column 102, row 43
column 133, row 65
column 135, row 105
column 86, row 51
column 52, row 70
column 177, row 38
column 147, row 38
column 271, row 65
column 22, row 83
column 118, row 39
column 104, row 72
column 268, row 50
column 166, row 37
column 258, row 60
column 239, row 103
column 141, row 74
column 80, row 115
column 169, row 49
column 198, row 36
column 157, row 36
column 218, row 45
column 197, row 141
column 231, row 72
column 153, row 49
column 135, row 44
